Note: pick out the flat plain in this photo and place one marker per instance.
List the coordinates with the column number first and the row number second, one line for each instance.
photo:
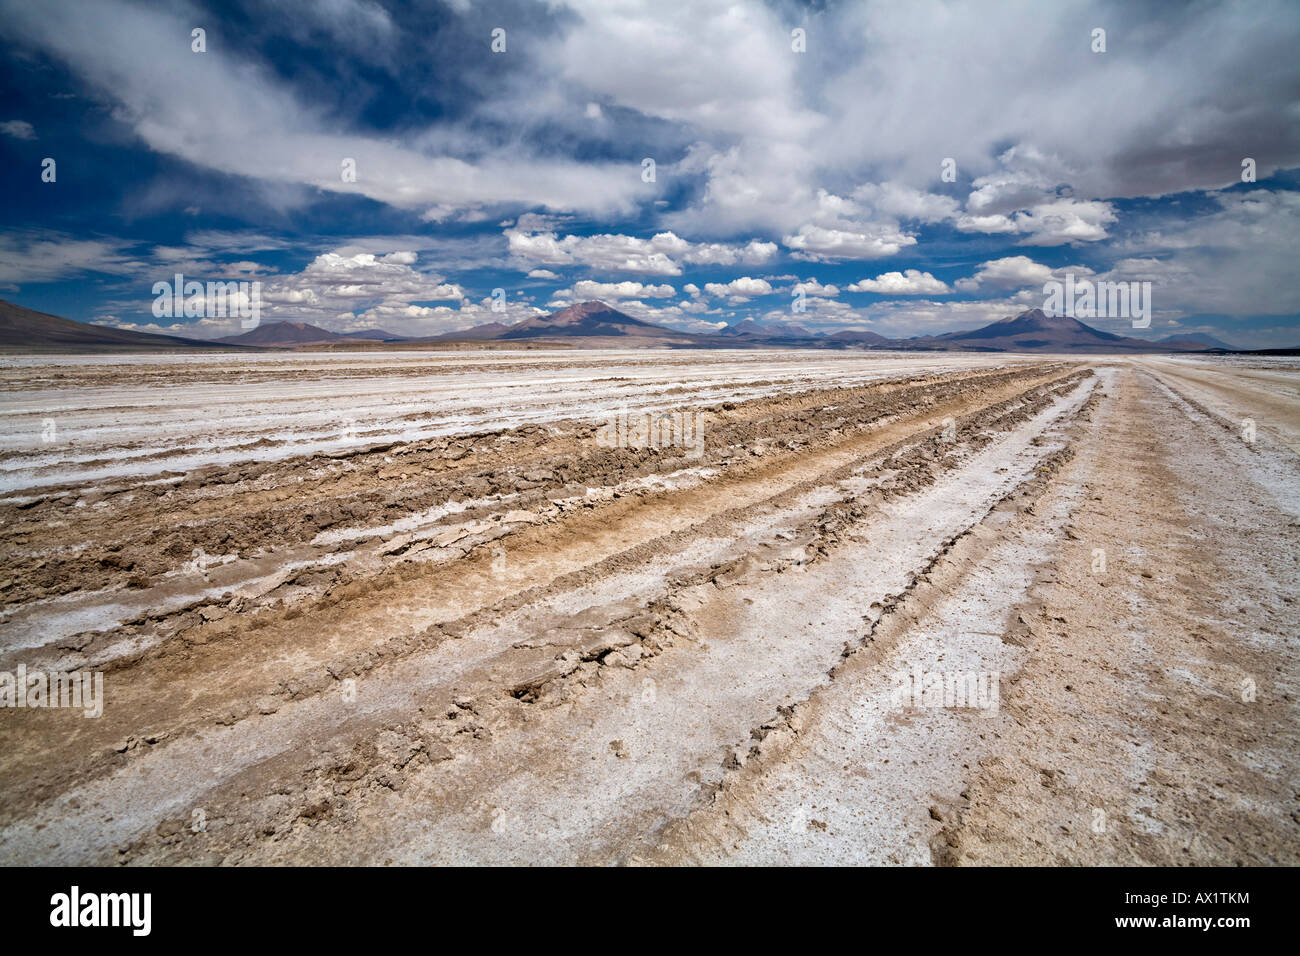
column 417, row 608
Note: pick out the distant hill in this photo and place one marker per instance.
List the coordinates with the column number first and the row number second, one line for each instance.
column 849, row 337
column 748, row 328
column 1036, row 331
column 21, row 327
column 594, row 324
column 479, row 333
column 285, row 334
column 1197, row 339
column 1031, row 331
column 598, row 325
column 586, row 319
column 375, row 335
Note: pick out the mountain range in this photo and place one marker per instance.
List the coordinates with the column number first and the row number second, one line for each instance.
column 24, row 328
column 598, row 325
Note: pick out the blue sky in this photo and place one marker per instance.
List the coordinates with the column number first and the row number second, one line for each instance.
column 775, row 169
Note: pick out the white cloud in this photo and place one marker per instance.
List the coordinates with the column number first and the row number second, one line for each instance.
column 18, row 129
column 884, row 94
column 751, row 253
column 814, row 287
column 1065, row 221
column 897, row 201
column 996, row 223
column 659, row 255
column 45, row 256
column 1008, row 272
column 1236, row 259
column 586, row 289
column 1025, row 176
column 1049, row 223
column 820, row 244
column 209, row 108
column 672, row 315
column 738, row 290
column 835, row 153
column 909, row 282
column 667, row 61
column 1157, row 115
column 366, row 275
column 346, row 292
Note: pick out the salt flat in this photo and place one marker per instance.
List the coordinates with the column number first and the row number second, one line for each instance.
column 144, row 415
column 415, row 608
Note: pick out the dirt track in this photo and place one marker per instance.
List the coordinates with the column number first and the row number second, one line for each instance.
column 513, row 644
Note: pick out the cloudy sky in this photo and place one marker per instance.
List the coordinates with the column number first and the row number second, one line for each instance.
column 783, row 161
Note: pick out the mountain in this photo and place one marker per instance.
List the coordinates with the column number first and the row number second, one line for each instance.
column 850, row 337
column 478, row 333
column 591, row 324
column 1196, row 340
column 745, row 327
column 375, row 335
column 285, row 334
column 601, row 324
column 584, row 319
column 1036, row 331
column 597, row 325
column 26, row 328
column 748, row 328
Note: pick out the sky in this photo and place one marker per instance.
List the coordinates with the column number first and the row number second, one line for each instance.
column 907, row 168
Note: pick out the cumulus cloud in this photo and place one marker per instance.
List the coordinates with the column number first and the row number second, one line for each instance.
column 345, row 292
column 897, row 201
column 1025, row 176
column 662, row 254
column 366, row 275
column 1008, row 272
column 738, row 290
column 820, row 244
column 908, row 282
column 996, row 223
column 813, row 287
column 760, row 129
column 764, row 134
column 828, row 157
column 754, row 252
column 587, row 289
column 1065, row 221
